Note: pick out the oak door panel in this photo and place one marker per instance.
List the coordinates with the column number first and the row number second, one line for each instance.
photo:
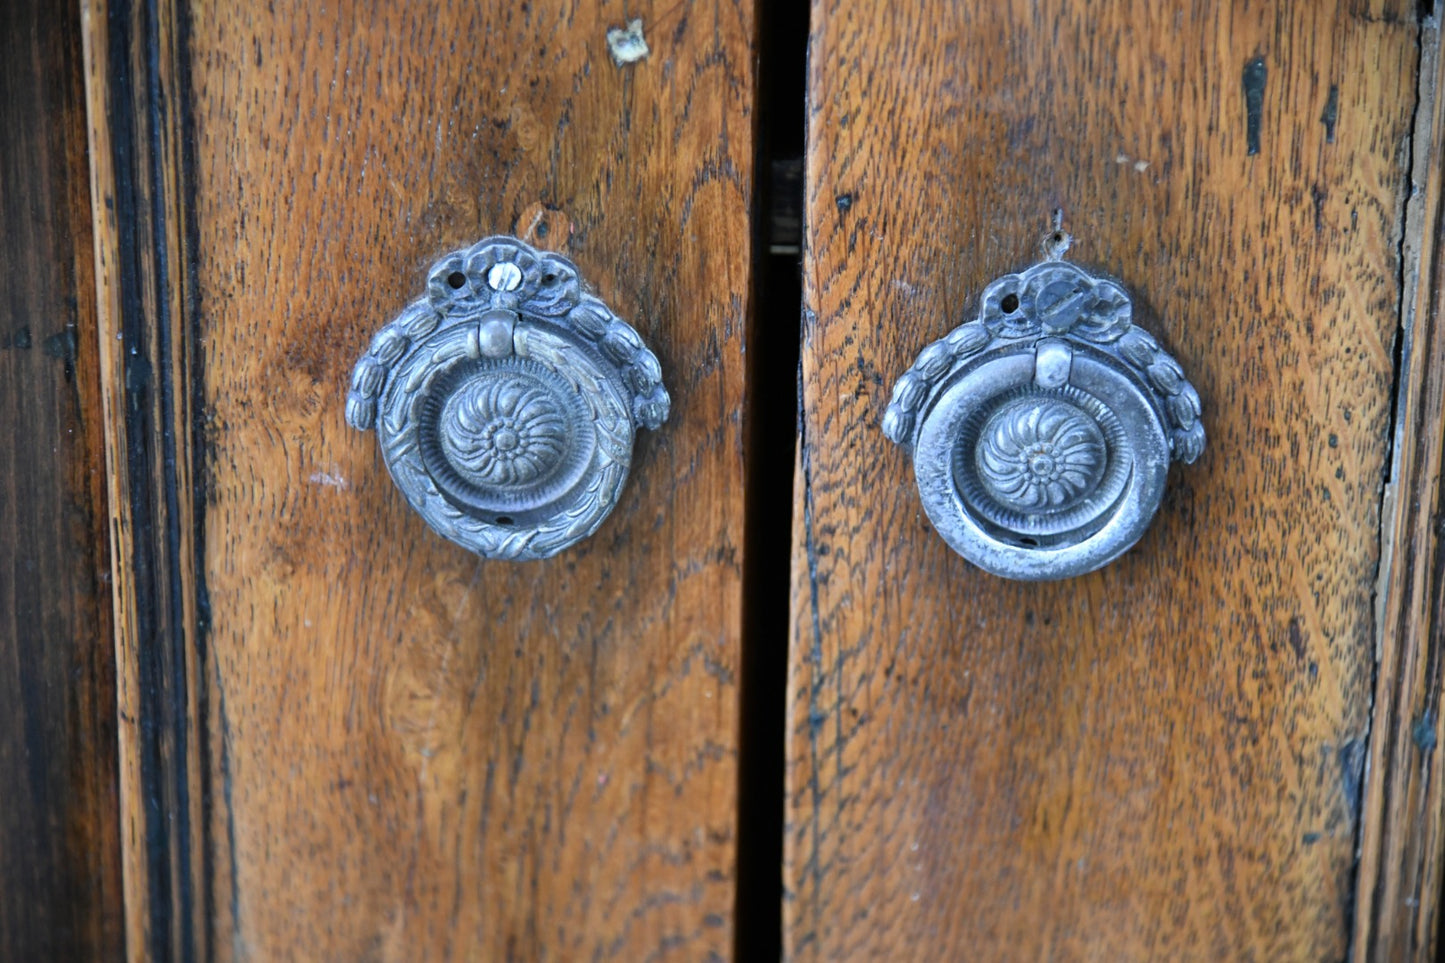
column 1163, row 759
column 408, row 752
column 1402, row 849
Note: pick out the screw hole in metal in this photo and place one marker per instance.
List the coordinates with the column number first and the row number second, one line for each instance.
column 457, row 279
column 1010, row 303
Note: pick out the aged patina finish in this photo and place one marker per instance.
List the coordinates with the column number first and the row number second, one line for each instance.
column 1042, row 431
column 506, row 401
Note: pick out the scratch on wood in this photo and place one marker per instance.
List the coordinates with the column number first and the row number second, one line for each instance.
column 1352, row 770
column 331, row 479
column 223, row 724
column 1319, row 195
column 1254, row 77
column 1297, row 637
column 21, row 339
column 1423, row 732
column 1332, row 113
column 816, row 716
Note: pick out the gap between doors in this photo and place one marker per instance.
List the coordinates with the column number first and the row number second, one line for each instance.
column 772, row 433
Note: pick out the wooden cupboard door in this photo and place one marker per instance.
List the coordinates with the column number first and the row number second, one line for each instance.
column 1165, row 759
column 381, row 747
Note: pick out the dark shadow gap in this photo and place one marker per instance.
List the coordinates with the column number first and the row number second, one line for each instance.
column 771, row 411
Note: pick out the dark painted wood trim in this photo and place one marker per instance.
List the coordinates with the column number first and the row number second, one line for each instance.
column 60, row 847
column 137, row 95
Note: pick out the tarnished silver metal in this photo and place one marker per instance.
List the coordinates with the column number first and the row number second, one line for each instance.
column 1043, row 430
column 506, row 400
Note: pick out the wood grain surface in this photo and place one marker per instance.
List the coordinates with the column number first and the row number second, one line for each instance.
column 60, row 846
column 135, row 103
column 417, row 754
column 1397, row 911
column 1164, row 759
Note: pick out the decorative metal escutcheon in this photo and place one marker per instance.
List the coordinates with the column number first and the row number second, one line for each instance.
column 506, row 400
column 1042, row 432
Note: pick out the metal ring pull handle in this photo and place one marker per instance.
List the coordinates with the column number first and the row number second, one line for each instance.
column 1042, row 432
column 506, row 400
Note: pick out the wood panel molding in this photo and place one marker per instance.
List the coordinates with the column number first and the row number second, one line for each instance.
column 1397, row 912
column 135, row 91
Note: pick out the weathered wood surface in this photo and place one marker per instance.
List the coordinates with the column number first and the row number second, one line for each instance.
column 1162, row 760
column 147, row 355
column 1398, row 904
column 60, row 877
column 416, row 754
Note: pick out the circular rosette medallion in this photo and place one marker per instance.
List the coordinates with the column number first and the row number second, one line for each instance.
column 1040, row 457
column 519, row 456
column 1041, row 462
column 1036, row 481
column 505, row 438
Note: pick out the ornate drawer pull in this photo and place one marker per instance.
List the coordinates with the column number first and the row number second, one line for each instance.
column 506, row 401
column 1043, row 431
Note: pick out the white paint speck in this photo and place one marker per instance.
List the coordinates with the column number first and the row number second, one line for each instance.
column 333, row 481
column 627, row 44
column 1139, row 165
